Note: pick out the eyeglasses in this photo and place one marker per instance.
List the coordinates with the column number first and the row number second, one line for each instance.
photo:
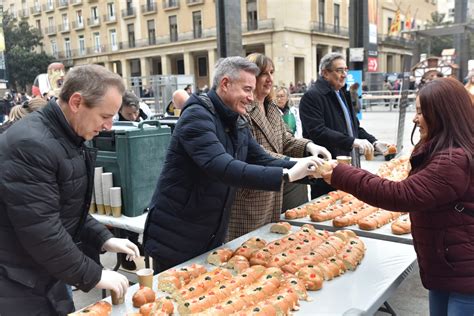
column 341, row 70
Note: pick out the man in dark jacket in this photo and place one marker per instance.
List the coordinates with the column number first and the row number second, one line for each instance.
column 328, row 118
column 211, row 153
column 130, row 109
column 45, row 190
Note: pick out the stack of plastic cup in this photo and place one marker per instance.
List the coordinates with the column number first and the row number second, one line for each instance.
column 107, row 183
column 116, row 201
column 98, row 190
column 92, row 205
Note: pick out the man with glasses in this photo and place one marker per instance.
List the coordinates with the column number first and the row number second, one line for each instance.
column 329, row 120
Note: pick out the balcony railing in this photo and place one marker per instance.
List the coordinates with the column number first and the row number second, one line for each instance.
column 326, row 28
column 62, row 4
column 96, row 50
column 170, row 4
column 396, row 41
column 50, row 30
column 77, row 25
column 35, row 10
column 128, row 12
column 23, row 13
column 64, row 27
column 259, row 25
column 75, row 2
column 149, row 8
column 93, row 22
column 136, row 44
column 48, row 7
column 194, row 2
column 109, row 19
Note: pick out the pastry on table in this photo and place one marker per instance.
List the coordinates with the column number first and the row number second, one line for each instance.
column 100, row 308
column 143, row 296
column 298, row 212
column 220, row 256
column 377, row 219
column 281, row 228
column 354, row 216
column 311, row 277
column 402, row 225
column 237, row 263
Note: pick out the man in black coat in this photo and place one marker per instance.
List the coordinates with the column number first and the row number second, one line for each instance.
column 328, row 118
column 45, row 191
column 211, row 153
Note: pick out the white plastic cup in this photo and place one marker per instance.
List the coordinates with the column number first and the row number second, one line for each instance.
column 107, row 183
column 116, row 201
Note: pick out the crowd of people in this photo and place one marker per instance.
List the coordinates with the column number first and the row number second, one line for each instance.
column 239, row 155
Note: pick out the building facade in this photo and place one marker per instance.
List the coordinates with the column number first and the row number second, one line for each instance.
column 141, row 38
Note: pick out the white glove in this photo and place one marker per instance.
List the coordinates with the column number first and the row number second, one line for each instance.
column 304, row 167
column 364, row 145
column 381, row 147
column 122, row 245
column 316, row 150
column 114, row 281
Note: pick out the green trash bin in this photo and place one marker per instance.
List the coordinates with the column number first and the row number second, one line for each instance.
column 135, row 155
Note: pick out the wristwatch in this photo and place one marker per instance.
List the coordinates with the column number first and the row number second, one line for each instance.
column 286, row 176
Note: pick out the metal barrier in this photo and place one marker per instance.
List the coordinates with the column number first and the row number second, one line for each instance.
column 385, row 99
column 374, row 100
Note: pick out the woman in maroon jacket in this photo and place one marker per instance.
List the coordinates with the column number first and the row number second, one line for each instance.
column 438, row 193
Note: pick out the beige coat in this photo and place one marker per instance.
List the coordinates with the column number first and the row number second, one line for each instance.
column 254, row 208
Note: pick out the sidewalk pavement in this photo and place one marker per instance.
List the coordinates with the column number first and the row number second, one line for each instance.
column 410, row 298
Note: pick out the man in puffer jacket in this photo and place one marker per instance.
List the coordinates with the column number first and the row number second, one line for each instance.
column 45, row 190
column 211, row 153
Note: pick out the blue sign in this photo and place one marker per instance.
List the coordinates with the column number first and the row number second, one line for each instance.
column 354, row 76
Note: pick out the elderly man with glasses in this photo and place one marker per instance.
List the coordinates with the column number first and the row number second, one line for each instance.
column 329, row 120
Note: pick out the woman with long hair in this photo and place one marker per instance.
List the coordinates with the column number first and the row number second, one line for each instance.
column 254, row 208
column 438, row 194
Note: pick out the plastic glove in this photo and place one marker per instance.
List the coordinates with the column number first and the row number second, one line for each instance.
column 114, row 281
column 316, row 150
column 123, row 246
column 364, row 145
column 304, row 167
column 381, row 147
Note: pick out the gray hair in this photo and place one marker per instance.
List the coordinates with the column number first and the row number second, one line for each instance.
column 326, row 61
column 92, row 82
column 129, row 99
column 231, row 67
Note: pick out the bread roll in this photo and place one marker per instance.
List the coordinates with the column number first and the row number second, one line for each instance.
column 280, row 228
column 402, row 225
column 220, row 256
column 142, row 296
column 101, row 308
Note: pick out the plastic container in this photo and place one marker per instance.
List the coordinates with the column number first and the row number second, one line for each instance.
column 134, row 153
